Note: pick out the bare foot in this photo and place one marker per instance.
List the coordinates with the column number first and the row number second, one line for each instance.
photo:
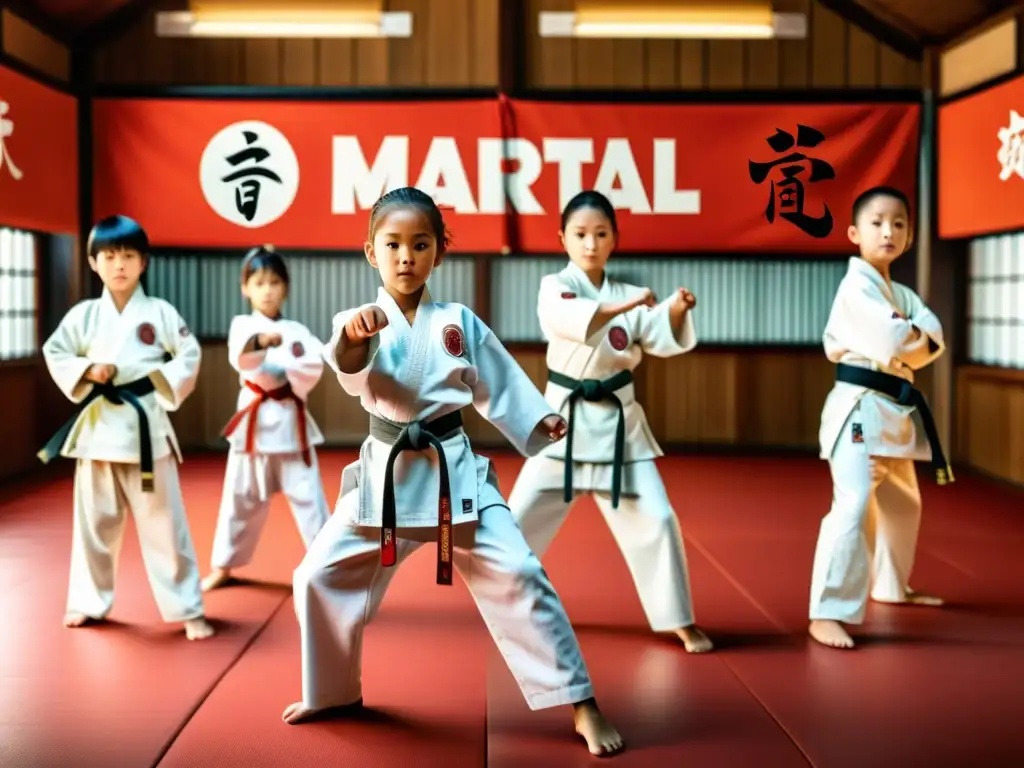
column 694, row 639
column 218, row 578
column 198, row 629
column 73, row 620
column 601, row 737
column 298, row 713
column 830, row 633
column 915, row 598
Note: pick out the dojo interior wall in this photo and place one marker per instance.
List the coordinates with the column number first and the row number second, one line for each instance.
column 710, row 396
column 33, row 407
column 984, row 274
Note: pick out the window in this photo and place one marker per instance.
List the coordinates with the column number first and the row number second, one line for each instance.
column 995, row 301
column 18, row 311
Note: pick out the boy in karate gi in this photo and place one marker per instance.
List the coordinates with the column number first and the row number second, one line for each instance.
column 598, row 330
column 126, row 360
column 874, row 426
column 272, row 435
column 414, row 364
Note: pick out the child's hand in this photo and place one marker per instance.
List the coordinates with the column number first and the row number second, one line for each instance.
column 685, row 299
column 645, row 299
column 366, row 323
column 268, row 340
column 101, row 373
column 555, row 426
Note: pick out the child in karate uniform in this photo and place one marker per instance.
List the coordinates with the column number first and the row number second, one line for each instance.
column 272, row 435
column 874, row 426
column 108, row 356
column 598, row 330
column 415, row 363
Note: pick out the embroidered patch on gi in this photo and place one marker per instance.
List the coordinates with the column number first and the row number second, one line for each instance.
column 857, row 432
column 453, row 341
column 467, row 505
column 147, row 333
column 297, row 349
column 897, row 316
column 618, row 338
column 568, row 295
column 184, row 332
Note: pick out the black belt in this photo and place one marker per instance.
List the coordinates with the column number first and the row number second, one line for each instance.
column 595, row 391
column 122, row 394
column 904, row 393
column 417, row 436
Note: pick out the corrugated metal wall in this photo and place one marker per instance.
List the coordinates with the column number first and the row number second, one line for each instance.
column 740, row 301
column 205, row 287
column 995, row 301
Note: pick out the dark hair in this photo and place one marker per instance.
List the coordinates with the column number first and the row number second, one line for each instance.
column 590, row 198
column 264, row 257
column 865, row 198
column 410, row 197
column 117, row 233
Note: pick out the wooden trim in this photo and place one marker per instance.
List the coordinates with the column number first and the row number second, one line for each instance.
column 114, row 25
column 482, row 288
column 992, row 373
column 980, row 87
column 289, row 93
column 23, row 68
column 82, row 72
column 22, row 362
column 977, row 29
column 27, row 11
column 512, row 41
column 885, row 33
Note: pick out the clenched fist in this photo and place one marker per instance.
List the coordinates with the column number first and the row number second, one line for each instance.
column 100, row 373
column 268, row 340
column 685, row 298
column 555, row 426
column 365, row 323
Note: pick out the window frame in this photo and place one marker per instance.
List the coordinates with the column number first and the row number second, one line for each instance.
column 36, row 354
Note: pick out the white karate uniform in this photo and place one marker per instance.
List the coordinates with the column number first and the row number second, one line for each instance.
column 644, row 524
column 278, row 459
column 868, row 539
column 447, row 360
column 105, row 441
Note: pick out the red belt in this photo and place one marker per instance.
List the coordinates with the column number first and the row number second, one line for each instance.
column 252, row 411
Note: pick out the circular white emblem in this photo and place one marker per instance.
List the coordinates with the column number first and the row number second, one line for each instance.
column 249, row 174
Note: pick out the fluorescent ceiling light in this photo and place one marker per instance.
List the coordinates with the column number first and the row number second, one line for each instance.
column 282, row 25
column 775, row 25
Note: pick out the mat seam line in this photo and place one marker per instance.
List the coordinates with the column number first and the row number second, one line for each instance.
column 217, row 681
column 725, row 663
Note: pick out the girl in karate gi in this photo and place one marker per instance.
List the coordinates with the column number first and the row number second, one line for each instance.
column 598, row 330
column 415, row 363
column 272, row 435
column 109, row 357
column 874, row 425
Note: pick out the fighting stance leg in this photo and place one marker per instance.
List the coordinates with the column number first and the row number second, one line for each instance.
column 647, row 531
column 337, row 589
column 98, row 532
column 528, row 623
column 896, row 526
column 249, row 482
column 166, row 543
column 305, row 492
column 537, row 502
column 841, row 572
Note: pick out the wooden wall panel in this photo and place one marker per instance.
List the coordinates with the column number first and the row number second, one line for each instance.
column 22, row 41
column 990, row 421
column 18, row 388
column 454, row 44
column 836, row 54
column 712, row 397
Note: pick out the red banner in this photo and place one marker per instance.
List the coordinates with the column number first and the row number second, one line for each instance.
column 684, row 178
column 981, row 162
column 38, row 156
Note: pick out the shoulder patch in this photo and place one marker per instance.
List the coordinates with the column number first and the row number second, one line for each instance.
column 184, row 332
column 297, row 349
column 618, row 338
column 568, row 295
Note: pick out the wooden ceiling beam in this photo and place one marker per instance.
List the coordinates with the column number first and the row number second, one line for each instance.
column 29, row 12
column 885, row 32
column 114, row 24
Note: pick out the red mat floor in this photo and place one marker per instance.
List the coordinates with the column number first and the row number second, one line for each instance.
column 927, row 688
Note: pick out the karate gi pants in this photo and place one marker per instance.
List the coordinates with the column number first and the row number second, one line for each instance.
column 340, row 584
column 868, row 539
column 644, row 526
column 250, row 481
column 104, row 493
